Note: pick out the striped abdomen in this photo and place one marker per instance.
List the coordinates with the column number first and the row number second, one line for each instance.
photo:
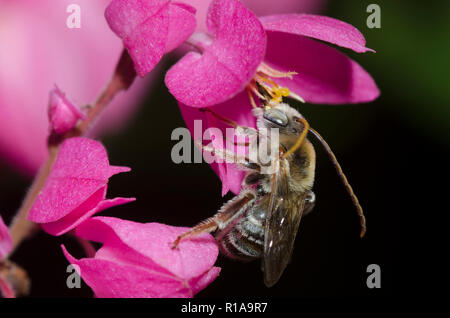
column 245, row 240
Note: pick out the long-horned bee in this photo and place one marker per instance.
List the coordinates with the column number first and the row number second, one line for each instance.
column 262, row 221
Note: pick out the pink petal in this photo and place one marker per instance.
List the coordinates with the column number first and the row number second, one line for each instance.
column 150, row 28
column 153, row 241
column 272, row 7
column 226, row 66
column 143, row 26
column 91, row 206
column 317, row 27
column 136, row 260
column 325, row 75
column 111, row 280
column 125, row 16
column 181, row 25
column 113, row 249
column 80, row 170
column 5, row 239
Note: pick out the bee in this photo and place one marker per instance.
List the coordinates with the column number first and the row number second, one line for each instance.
column 263, row 219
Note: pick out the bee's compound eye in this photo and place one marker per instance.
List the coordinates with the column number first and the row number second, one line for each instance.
column 276, row 117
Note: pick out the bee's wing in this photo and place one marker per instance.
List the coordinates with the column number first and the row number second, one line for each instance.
column 282, row 221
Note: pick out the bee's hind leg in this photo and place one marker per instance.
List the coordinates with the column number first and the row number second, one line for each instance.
column 226, row 214
column 207, row 226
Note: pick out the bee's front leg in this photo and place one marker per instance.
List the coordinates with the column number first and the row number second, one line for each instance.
column 230, row 157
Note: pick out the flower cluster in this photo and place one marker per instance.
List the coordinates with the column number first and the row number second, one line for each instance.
column 280, row 52
column 228, row 57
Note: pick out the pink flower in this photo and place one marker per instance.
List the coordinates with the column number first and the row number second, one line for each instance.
column 62, row 114
column 5, row 239
column 76, row 187
column 236, row 53
column 136, row 260
column 150, row 28
column 39, row 50
column 279, row 52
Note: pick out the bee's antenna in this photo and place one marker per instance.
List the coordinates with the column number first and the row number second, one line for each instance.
column 344, row 180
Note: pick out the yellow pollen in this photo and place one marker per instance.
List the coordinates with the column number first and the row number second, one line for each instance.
column 281, row 92
column 276, row 92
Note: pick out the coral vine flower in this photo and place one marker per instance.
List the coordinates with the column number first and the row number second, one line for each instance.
column 234, row 55
column 137, row 261
column 5, row 239
column 62, row 114
column 279, row 53
column 150, row 28
column 76, row 187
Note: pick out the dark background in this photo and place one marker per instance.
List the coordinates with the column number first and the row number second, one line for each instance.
column 387, row 148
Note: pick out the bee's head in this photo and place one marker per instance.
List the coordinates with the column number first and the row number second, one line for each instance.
column 283, row 117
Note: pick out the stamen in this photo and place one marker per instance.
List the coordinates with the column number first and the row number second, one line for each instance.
column 266, row 69
column 261, row 78
column 274, row 93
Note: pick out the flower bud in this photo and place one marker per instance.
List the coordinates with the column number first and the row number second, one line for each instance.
column 62, row 114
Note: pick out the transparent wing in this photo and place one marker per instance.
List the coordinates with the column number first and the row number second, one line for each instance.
column 283, row 217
